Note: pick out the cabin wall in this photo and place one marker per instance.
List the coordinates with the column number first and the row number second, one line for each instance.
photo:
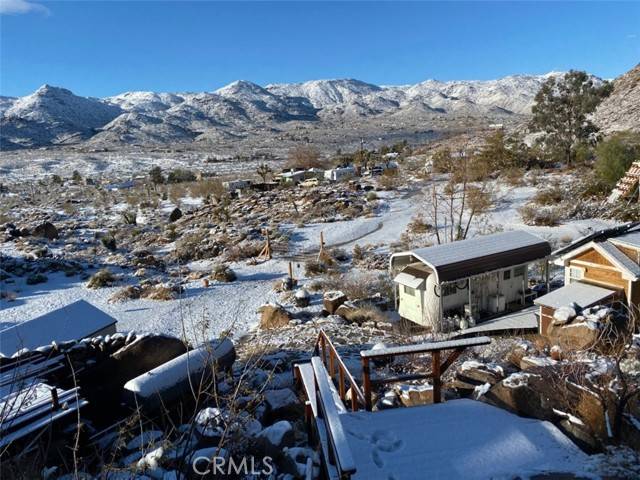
column 410, row 306
column 599, row 271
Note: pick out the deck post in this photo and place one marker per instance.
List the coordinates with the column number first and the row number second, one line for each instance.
column 331, row 365
column 546, row 273
column 341, row 388
column 366, row 384
column 323, row 350
column 435, row 370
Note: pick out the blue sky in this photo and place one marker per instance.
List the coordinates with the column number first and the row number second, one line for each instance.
column 104, row 48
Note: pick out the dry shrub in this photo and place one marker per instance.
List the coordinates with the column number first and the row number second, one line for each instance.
column 358, row 285
column 187, row 246
column 222, row 273
column 314, row 267
column 130, row 292
column 244, row 250
column 552, row 195
column 365, row 314
column 419, row 225
column 102, row 278
column 389, row 180
column 160, row 292
column 533, row 215
column 514, row 176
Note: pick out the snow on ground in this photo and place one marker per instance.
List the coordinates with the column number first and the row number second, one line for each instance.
column 232, row 306
column 456, row 439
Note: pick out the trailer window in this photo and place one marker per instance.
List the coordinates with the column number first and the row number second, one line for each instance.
column 448, row 289
column 409, row 291
column 507, row 275
column 519, row 271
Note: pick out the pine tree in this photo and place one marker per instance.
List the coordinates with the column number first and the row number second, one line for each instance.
column 561, row 109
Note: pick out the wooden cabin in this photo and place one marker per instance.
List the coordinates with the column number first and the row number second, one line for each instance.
column 605, row 266
column 476, row 279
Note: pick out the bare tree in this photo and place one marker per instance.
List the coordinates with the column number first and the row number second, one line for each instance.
column 305, row 156
column 264, row 171
column 461, row 197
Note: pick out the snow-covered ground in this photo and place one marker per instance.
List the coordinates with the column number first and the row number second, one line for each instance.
column 205, row 312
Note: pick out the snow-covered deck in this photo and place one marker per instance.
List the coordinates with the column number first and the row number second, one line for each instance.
column 525, row 319
column 460, row 439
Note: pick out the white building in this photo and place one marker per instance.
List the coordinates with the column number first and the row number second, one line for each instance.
column 474, row 278
column 339, row 173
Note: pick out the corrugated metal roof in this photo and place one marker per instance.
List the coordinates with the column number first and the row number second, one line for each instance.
column 483, row 254
column 583, row 294
column 624, row 261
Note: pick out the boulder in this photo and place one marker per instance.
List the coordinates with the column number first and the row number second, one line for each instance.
column 413, row 395
column 302, row 298
column 273, row 316
column 144, row 354
column 282, row 403
column 480, row 373
column 274, row 439
column 574, row 336
column 332, row 300
column 175, row 214
column 46, row 230
column 564, row 315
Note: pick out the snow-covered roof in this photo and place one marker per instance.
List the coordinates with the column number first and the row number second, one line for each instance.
column 631, row 239
column 474, row 256
column 408, row 280
column 583, row 294
column 75, row 321
column 620, row 259
column 458, row 439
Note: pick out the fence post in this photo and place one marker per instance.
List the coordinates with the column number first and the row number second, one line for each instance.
column 366, row 383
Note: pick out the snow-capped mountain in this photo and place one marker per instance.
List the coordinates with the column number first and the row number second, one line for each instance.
column 53, row 115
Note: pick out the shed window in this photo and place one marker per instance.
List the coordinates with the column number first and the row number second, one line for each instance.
column 576, row 273
column 519, row 271
column 506, row 275
column 448, row 289
column 409, row 291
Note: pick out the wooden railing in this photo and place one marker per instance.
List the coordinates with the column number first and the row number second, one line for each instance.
column 437, row 368
column 339, row 451
column 327, row 351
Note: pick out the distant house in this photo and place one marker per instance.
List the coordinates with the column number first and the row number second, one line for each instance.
column 475, row 278
column 339, row 173
column 292, row 177
column 235, row 185
column 75, row 321
column 601, row 268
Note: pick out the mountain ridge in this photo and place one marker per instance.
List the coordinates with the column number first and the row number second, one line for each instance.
column 54, row 115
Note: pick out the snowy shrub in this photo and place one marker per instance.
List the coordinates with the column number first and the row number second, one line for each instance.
column 100, row 279
column 532, row 215
column 314, row 267
column 129, row 217
column 36, row 278
column 223, row 273
column 109, row 242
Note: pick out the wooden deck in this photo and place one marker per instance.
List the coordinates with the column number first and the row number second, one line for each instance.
column 525, row 319
column 460, row 439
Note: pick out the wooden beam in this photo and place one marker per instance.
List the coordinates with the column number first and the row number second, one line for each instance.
column 450, row 359
column 435, row 369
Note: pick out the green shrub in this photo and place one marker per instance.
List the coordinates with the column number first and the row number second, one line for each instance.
column 615, row 155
